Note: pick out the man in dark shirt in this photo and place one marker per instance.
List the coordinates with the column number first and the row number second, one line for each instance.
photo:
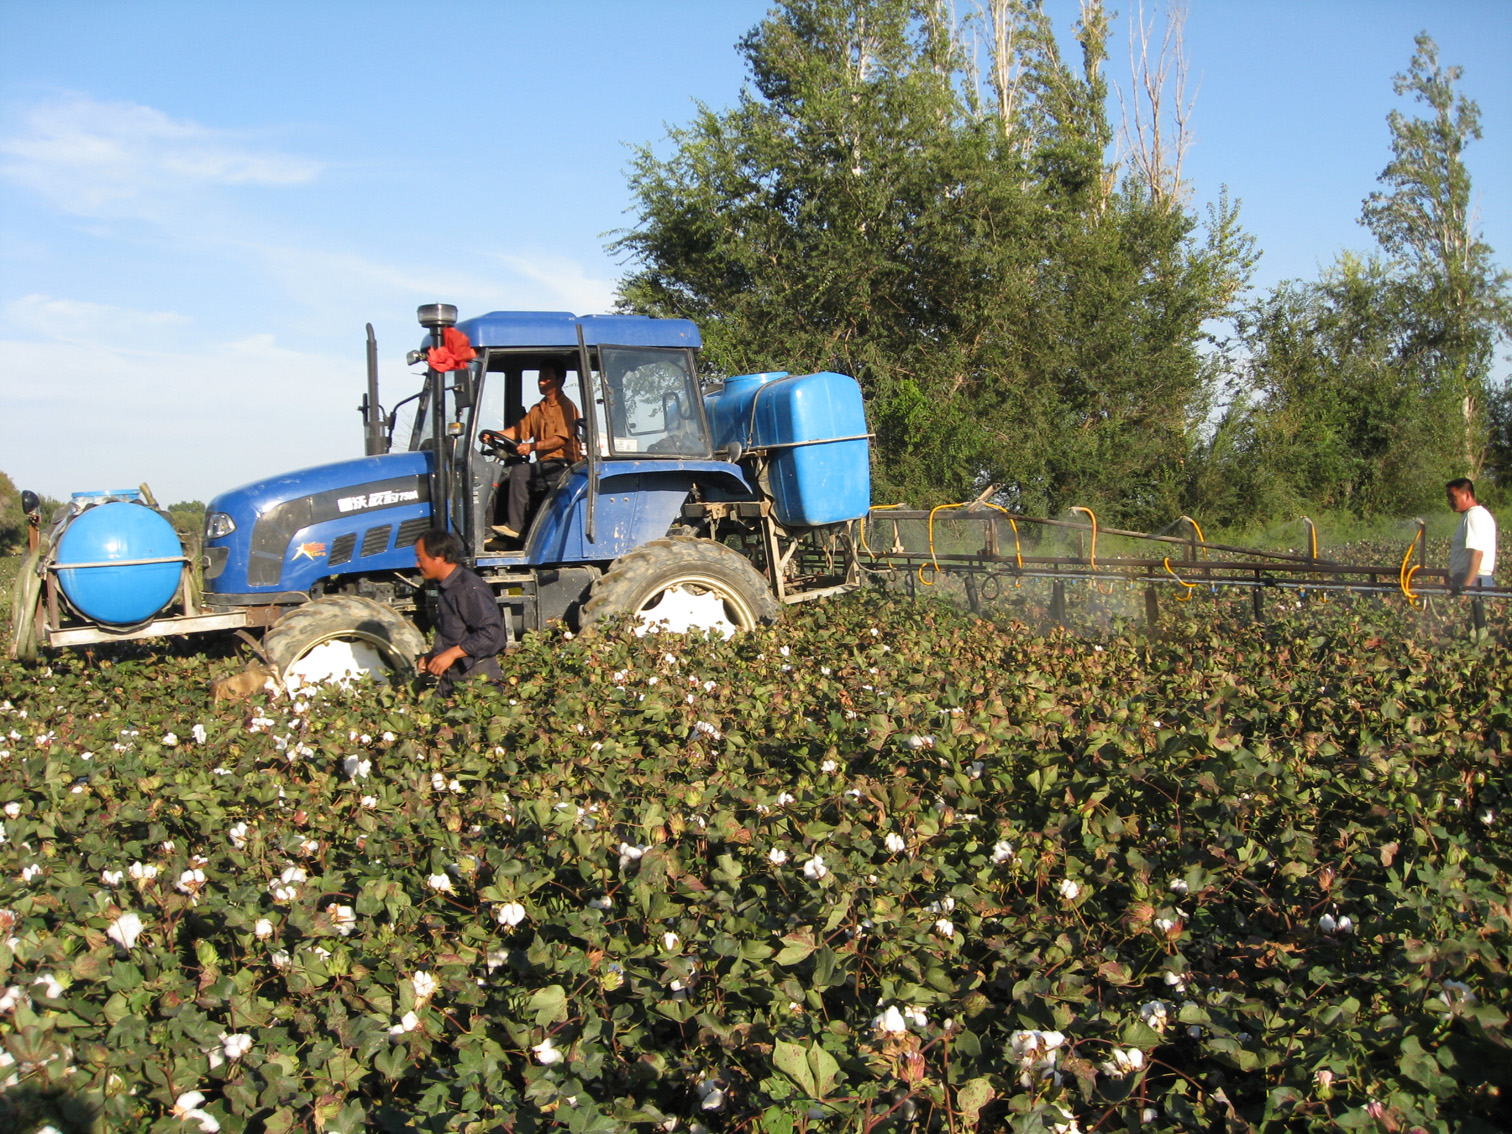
column 470, row 629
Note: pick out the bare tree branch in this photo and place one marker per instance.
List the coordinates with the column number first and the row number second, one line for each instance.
column 1156, row 129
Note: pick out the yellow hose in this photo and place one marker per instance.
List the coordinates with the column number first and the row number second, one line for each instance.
column 1404, row 576
column 935, row 563
column 1201, row 539
column 1190, row 587
column 862, row 530
column 1092, row 558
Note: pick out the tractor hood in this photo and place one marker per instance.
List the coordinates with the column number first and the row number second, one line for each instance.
column 285, row 533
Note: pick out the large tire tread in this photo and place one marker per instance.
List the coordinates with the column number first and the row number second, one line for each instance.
column 637, row 576
column 342, row 616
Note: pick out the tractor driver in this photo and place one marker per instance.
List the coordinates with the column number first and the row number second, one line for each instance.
column 549, row 431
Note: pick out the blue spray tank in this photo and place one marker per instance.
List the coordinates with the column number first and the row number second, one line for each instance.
column 119, row 561
column 813, row 429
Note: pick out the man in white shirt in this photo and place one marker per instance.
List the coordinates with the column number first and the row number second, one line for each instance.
column 1472, row 551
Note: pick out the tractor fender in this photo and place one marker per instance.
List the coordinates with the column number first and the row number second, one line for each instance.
column 637, row 501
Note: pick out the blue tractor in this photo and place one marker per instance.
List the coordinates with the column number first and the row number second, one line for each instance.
column 688, row 508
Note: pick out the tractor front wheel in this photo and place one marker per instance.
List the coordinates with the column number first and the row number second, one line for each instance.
column 683, row 584
column 338, row 638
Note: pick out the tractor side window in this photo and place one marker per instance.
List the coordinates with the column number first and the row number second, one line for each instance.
column 654, row 403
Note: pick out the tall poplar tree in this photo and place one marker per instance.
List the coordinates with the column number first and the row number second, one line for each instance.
column 1015, row 315
column 1424, row 217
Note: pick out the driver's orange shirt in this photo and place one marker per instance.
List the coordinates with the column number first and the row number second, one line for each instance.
column 560, row 420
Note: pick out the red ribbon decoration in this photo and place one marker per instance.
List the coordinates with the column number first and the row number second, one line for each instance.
column 454, row 353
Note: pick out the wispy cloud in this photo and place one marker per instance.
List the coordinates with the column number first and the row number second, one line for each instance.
column 80, row 323
column 563, row 282
column 191, row 424
column 117, row 158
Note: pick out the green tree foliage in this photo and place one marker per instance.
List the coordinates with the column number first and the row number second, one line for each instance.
column 1424, row 218
column 1014, row 314
column 1368, row 388
column 12, row 521
column 1333, row 411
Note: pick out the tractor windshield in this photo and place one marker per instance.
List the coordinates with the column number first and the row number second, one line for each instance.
column 654, row 403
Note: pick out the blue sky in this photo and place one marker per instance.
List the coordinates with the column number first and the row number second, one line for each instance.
column 201, row 205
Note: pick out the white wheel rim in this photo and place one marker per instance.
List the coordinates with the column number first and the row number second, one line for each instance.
column 685, row 607
column 339, row 661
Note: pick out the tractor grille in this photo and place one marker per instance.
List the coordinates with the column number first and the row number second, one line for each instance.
column 376, row 539
column 411, row 530
column 341, row 549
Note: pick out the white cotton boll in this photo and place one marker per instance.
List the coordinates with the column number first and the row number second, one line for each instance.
column 369, row 802
column 510, row 914
column 777, row 856
column 343, row 918
column 198, row 732
column 785, row 798
column 441, row 883
column 547, row 1053
column 424, row 985
column 915, row 1015
column 170, row 740
column 236, row 1046
column 263, row 929
column 629, row 851
column 1069, row 890
column 142, row 872
column 600, row 904
column 187, row 1102
column 1179, row 886
column 356, row 767
column 125, row 930
column 945, row 927
column 407, row 1023
column 309, row 847
column 814, row 868
column 1457, row 993
column 51, row 989
column 891, row 1022
column 671, row 941
column 1002, row 852
column 238, row 835
column 895, row 843
column 1155, row 1014
column 13, row 810
column 112, row 878
column 1328, row 923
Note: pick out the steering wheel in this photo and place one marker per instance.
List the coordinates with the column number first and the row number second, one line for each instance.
column 494, row 442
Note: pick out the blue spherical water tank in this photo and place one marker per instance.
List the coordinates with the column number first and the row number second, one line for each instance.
column 128, row 593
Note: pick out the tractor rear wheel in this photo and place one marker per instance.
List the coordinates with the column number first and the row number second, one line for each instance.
column 683, row 584
column 339, row 638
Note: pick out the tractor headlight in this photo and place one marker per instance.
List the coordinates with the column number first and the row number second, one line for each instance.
column 218, row 524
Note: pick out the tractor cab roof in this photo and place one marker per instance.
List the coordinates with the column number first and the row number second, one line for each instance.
column 557, row 330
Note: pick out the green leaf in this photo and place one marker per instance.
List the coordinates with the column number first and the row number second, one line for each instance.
column 549, row 1005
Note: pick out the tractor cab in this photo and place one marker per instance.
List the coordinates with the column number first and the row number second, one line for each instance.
column 634, row 397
